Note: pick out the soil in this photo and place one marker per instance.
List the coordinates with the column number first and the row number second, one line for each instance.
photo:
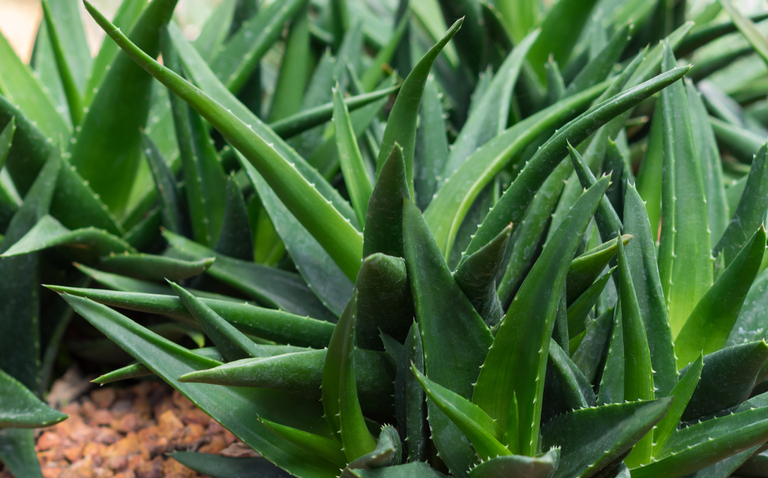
column 127, row 432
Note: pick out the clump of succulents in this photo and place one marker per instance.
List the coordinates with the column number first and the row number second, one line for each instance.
column 522, row 245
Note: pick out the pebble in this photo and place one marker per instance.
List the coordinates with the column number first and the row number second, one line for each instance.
column 127, row 432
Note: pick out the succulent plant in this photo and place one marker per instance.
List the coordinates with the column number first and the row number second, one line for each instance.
column 475, row 263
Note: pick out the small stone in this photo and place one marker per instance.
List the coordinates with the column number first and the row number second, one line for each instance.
column 150, row 469
column 174, row 469
column 130, row 422
column 121, row 407
column 102, row 417
column 238, row 450
column 117, row 462
column 106, row 436
column 47, row 441
column 195, row 415
column 50, row 472
column 215, row 446
column 74, row 452
column 126, row 446
column 104, row 397
column 169, row 424
column 102, row 473
column 191, row 436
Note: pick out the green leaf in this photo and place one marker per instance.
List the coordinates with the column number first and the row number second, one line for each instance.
column 450, row 205
column 685, row 258
column 17, row 451
column 587, row 267
column 22, row 409
column 522, row 341
column 127, row 15
column 339, row 389
column 571, row 385
column 750, row 212
column 649, row 183
column 740, row 142
column 401, row 126
column 559, row 32
column 578, row 312
column 352, row 167
column 704, row 444
column 748, row 30
column 608, row 222
column 308, row 118
column 743, row 362
column 388, row 451
column 749, row 325
column 455, row 338
column 372, row 75
column 111, row 127
column 321, row 219
column 611, row 388
column 170, row 196
column 268, row 324
column 6, row 140
column 294, row 70
column 322, row 275
column 709, row 325
column 152, row 267
column 384, row 302
column 270, row 286
column 709, row 163
column 23, row 90
column 232, row 343
column 431, row 145
column 522, row 190
column 591, row 438
column 323, row 447
column 215, row 29
column 217, row 466
column 638, row 374
column 601, row 65
column 48, row 232
column 79, row 58
column 529, row 233
column 682, row 393
column 477, row 277
column 489, row 117
column 384, row 222
column 204, row 178
column 235, row 239
column 235, row 408
column 704, row 33
column 240, row 56
column 593, row 347
column 641, row 258
column 482, row 430
column 518, row 466
column 138, row 369
column 408, row 470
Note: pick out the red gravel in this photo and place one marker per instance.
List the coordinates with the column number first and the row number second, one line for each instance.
column 126, row 432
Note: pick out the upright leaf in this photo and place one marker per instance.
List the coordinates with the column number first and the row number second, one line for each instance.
column 710, row 164
column 111, row 127
column 339, row 391
column 641, row 258
column 455, row 338
column 709, row 325
column 517, row 360
column 401, row 126
column 750, row 212
column 685, row 260
column 352, row 167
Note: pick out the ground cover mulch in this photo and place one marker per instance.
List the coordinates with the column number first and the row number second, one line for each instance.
column 127, row 433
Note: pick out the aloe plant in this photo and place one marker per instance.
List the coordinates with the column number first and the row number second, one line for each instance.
column 419, row 239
